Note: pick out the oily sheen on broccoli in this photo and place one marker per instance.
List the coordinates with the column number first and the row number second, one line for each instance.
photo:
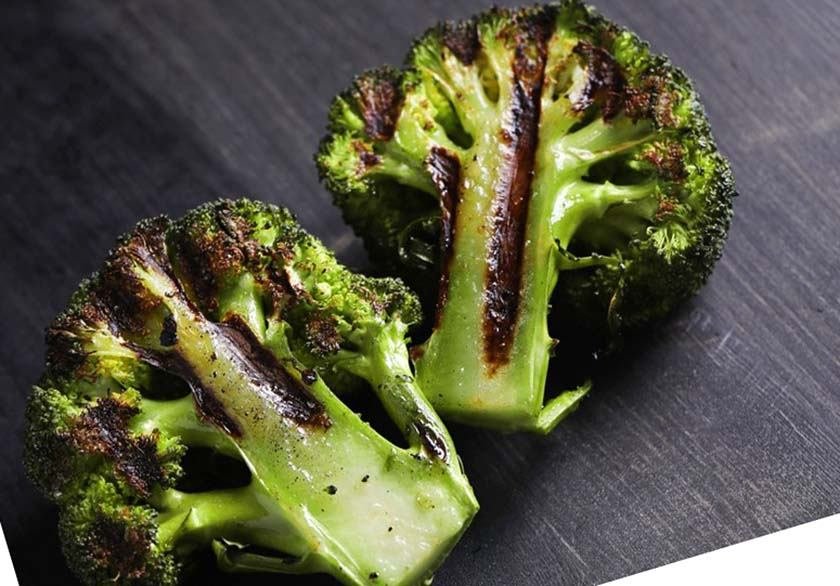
column 184, row 411
column 519, row 157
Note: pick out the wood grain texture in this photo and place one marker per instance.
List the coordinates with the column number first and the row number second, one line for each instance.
column 722, row 426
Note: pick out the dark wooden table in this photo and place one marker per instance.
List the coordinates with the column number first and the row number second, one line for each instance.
column 722, row 426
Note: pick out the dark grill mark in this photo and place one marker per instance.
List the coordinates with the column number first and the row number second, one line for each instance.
column 503, row 278
column 209, row 249
column 461, row 39
column 169, row 331
column 211, row 410
column 65, row 355
column 232, row 339
column 265, row 374
column 126, row 300
column 378, row 98
column 445, row 170
column 198, row 262
column 208, row 407
column 268, row 375
column 431, row 440
column 103, row 429
column 605, row 83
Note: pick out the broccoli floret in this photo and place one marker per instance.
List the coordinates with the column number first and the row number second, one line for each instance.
column 215, row 334
column 520, row 156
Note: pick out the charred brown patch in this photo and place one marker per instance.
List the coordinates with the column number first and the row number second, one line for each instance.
column 416, row 352
column 503, row 278
column 431, row 440
column 198, row 273
column 668, row 160
column 651, row 100
column 461, row 38
column 268, row 375
column 278, row 289
column 123, row 546
column 123, row 296
column 322, row 335
column 224, row 246
column 68, row 335
column 378, row 98
column 211, row 250
column 65, row 355
column 605, row 82
column 102, row 429
column 367, row 158
column 665, row 209
column 608, row 88
column 382, row 302
column 169, row 331
column 445, row 170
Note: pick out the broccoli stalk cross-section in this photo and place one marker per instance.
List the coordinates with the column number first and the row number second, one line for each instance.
column 217, row 333
column 521, row 157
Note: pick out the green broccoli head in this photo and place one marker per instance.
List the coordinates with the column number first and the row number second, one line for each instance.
column 520, row 152
column 215, row 335
column 254, row 260
column 111, row 537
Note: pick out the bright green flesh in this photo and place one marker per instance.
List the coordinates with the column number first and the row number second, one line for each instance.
column 394, row 525
column 452, row 369
column 550, row 143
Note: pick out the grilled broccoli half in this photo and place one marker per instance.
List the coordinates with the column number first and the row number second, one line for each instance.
column 523, row 156
column 184, row 412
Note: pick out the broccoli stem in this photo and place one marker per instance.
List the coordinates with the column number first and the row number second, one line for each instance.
column 189, row 521
column 580, row 201
column 406, row 172
column 452, row 369
column 318, row 463
column 461, row 84
column 241, row 297
column 598, row 140
column 385, row 364
column 178, row 418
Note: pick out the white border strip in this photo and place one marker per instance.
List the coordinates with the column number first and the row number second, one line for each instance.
column 805, row 555
column 7, row 571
